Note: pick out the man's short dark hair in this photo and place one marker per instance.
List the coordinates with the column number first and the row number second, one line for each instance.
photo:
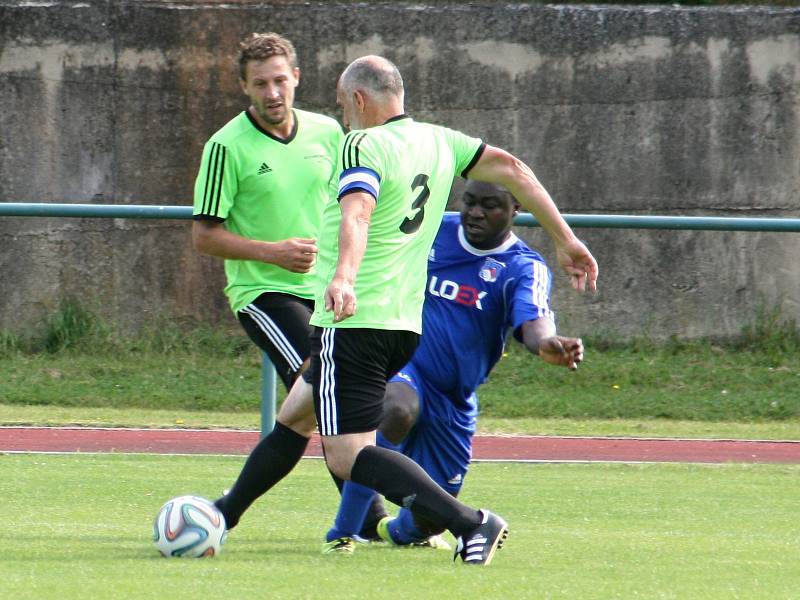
column 261, row 46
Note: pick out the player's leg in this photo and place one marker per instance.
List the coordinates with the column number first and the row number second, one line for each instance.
column 441, row 443
column 348, row 398
column 297, row 409
column 352, row 512
column 278, row 324
column 400, row 411
column 401, row 406
column 274, row 456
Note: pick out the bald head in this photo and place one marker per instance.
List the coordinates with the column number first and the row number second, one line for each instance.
column 373, row 74
column 370, row 92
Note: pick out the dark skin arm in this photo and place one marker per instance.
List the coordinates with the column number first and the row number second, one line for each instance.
column 540, row 338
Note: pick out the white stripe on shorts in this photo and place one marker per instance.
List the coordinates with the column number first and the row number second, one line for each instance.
column 274, row 335
column 327, row 385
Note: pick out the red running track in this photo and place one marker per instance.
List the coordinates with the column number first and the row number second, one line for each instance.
column 486, row 447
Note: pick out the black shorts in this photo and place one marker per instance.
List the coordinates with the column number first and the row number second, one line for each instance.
column 349, row 370
column 278, row 324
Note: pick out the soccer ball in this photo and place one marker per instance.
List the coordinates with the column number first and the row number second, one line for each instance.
column 189, row 526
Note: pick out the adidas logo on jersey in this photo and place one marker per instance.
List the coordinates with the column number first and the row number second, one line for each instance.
column 264, row 168
column 455, row 480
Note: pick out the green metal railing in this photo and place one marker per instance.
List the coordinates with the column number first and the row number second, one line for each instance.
column 143, row 211
column 659, row 222
column 268, row 376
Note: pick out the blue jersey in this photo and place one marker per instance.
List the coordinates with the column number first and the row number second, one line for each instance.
column 472, row 299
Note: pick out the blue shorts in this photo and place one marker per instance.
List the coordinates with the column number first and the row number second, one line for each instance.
column 441, row 440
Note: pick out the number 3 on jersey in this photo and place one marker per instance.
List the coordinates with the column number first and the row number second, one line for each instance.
column 411, row 225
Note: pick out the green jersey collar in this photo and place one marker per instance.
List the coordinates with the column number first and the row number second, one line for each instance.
column 397, row 118
column 270, row 135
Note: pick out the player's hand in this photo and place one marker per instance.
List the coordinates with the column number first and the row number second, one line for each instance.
column 561, row 351
column 295, row 254
column 575, row 258
column 340, row 297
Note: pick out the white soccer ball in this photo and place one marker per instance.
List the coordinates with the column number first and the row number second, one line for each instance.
column 189, row 526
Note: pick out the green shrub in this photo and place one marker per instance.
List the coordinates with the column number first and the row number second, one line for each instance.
column 10, row 344
column 71, row 326
column 770, row 333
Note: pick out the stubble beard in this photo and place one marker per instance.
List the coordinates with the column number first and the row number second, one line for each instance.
column 264, row 114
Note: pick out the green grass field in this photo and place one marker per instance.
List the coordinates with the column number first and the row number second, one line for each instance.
column 80, row 527
column 691, row 391
column 78, row 368
column 696, row 390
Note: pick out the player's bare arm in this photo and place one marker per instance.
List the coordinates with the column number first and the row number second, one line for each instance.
column 340, row 296
column 294, row 254
column 540, row 338
column 500, row 167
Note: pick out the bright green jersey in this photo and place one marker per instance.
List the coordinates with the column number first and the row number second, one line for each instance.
column 409, row 168
column 269, row 189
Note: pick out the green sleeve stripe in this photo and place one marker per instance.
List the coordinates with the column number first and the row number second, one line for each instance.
column 214, row 175
column 350, row 152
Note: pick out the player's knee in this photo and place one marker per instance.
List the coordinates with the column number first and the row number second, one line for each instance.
column 339, row 466
column 399, row 416
column 339, row 458
column 301, row 425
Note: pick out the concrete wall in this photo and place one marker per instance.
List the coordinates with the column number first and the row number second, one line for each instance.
column 633, row 110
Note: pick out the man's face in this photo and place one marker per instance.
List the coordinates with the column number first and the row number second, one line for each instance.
column 270, row 85
column 486, row 215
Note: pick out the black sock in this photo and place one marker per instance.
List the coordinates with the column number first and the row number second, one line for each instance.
column 271, row 460
column 403, row 482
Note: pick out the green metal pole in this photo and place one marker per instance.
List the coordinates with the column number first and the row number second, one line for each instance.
column 139, row 211
column 661, row 222
column 114, row 211
column 268, row 401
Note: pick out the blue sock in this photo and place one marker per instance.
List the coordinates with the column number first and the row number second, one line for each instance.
column 384, row 443
column 403, row 530
column 353, row 507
